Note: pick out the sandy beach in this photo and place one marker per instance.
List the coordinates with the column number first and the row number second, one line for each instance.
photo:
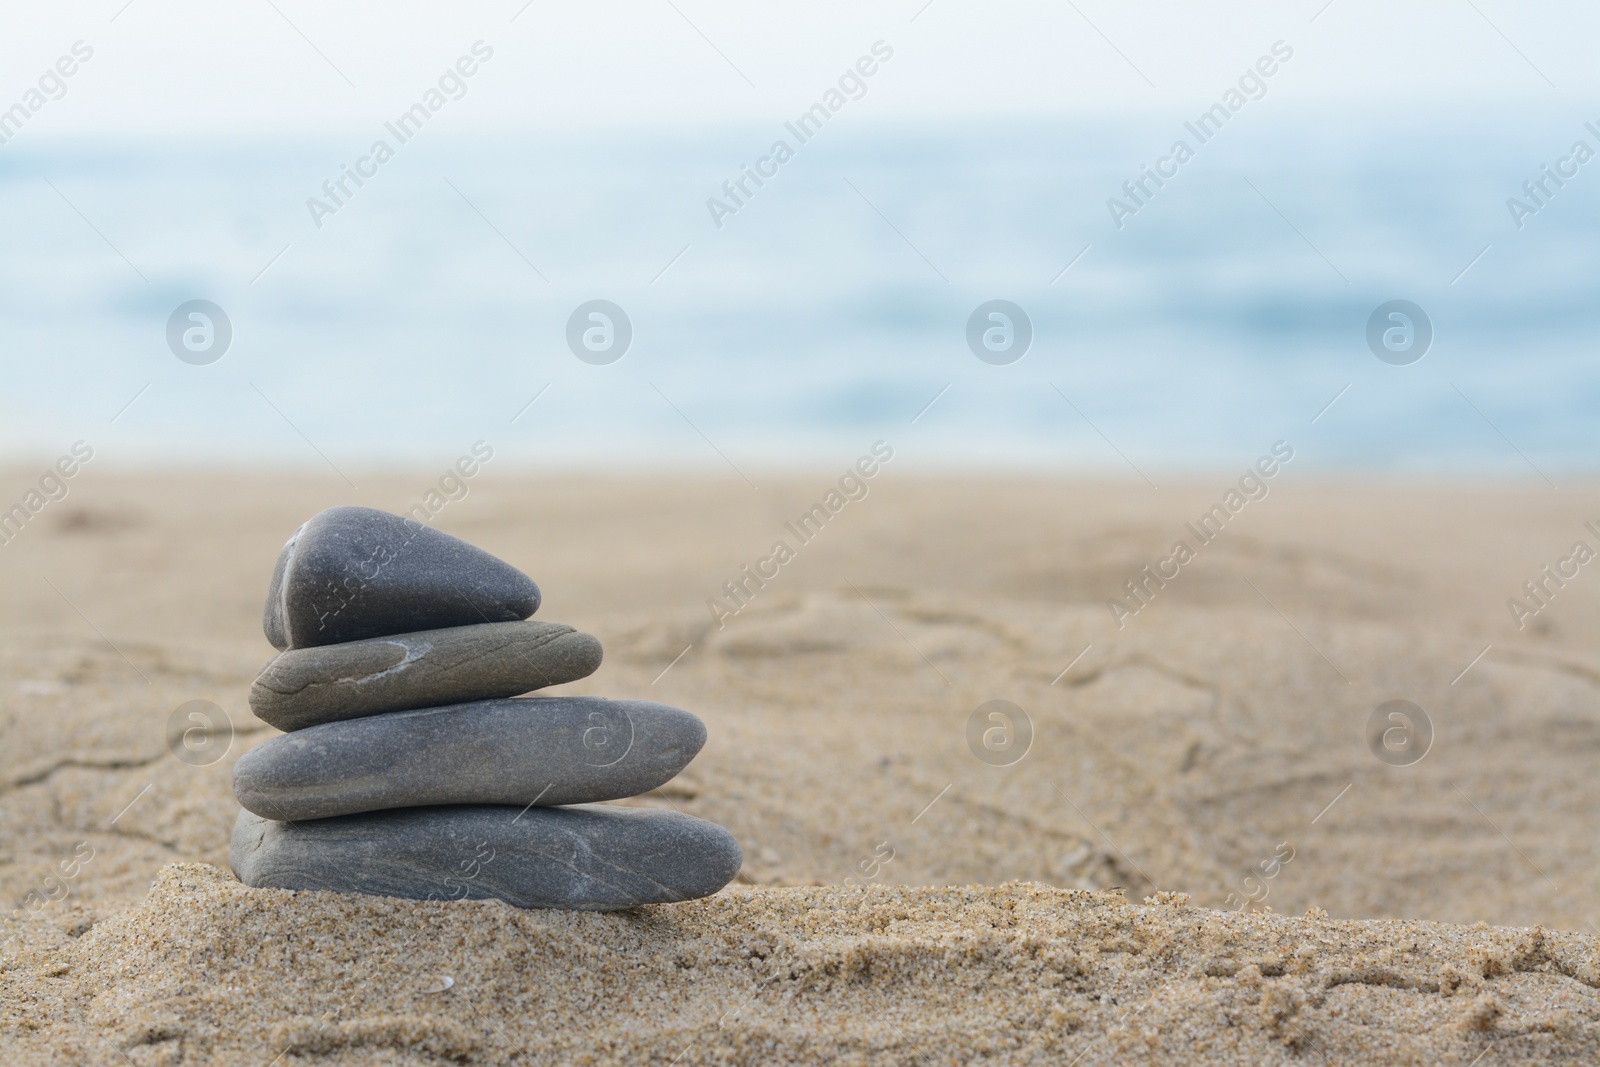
column 1199, row 854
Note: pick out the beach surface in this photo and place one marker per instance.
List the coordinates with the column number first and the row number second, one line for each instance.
column 1187, row 841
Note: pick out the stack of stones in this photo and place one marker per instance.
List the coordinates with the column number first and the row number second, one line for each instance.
column 407, row 768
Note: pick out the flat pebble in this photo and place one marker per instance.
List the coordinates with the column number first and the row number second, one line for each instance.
column 532, row 750
column 307, row 686
column 588, row 858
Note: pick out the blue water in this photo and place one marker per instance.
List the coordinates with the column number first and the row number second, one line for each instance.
column 410, row 325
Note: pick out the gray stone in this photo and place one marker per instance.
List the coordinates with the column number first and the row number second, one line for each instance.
column 589, row 858
column 532, row 750
column 352, row 573
column 307, row 686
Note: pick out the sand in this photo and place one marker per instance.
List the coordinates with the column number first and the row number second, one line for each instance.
column 902, row 901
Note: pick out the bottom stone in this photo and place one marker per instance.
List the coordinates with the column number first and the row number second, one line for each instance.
column 588, row 857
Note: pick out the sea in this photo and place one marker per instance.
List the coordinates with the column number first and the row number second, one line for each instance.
column 1146, row 331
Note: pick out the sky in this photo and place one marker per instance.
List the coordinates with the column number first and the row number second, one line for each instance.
column 258, row 67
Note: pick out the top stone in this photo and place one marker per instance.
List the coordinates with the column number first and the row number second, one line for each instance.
column 352, row 573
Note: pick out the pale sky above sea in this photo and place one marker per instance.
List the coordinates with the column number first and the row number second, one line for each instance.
column 196, row 68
